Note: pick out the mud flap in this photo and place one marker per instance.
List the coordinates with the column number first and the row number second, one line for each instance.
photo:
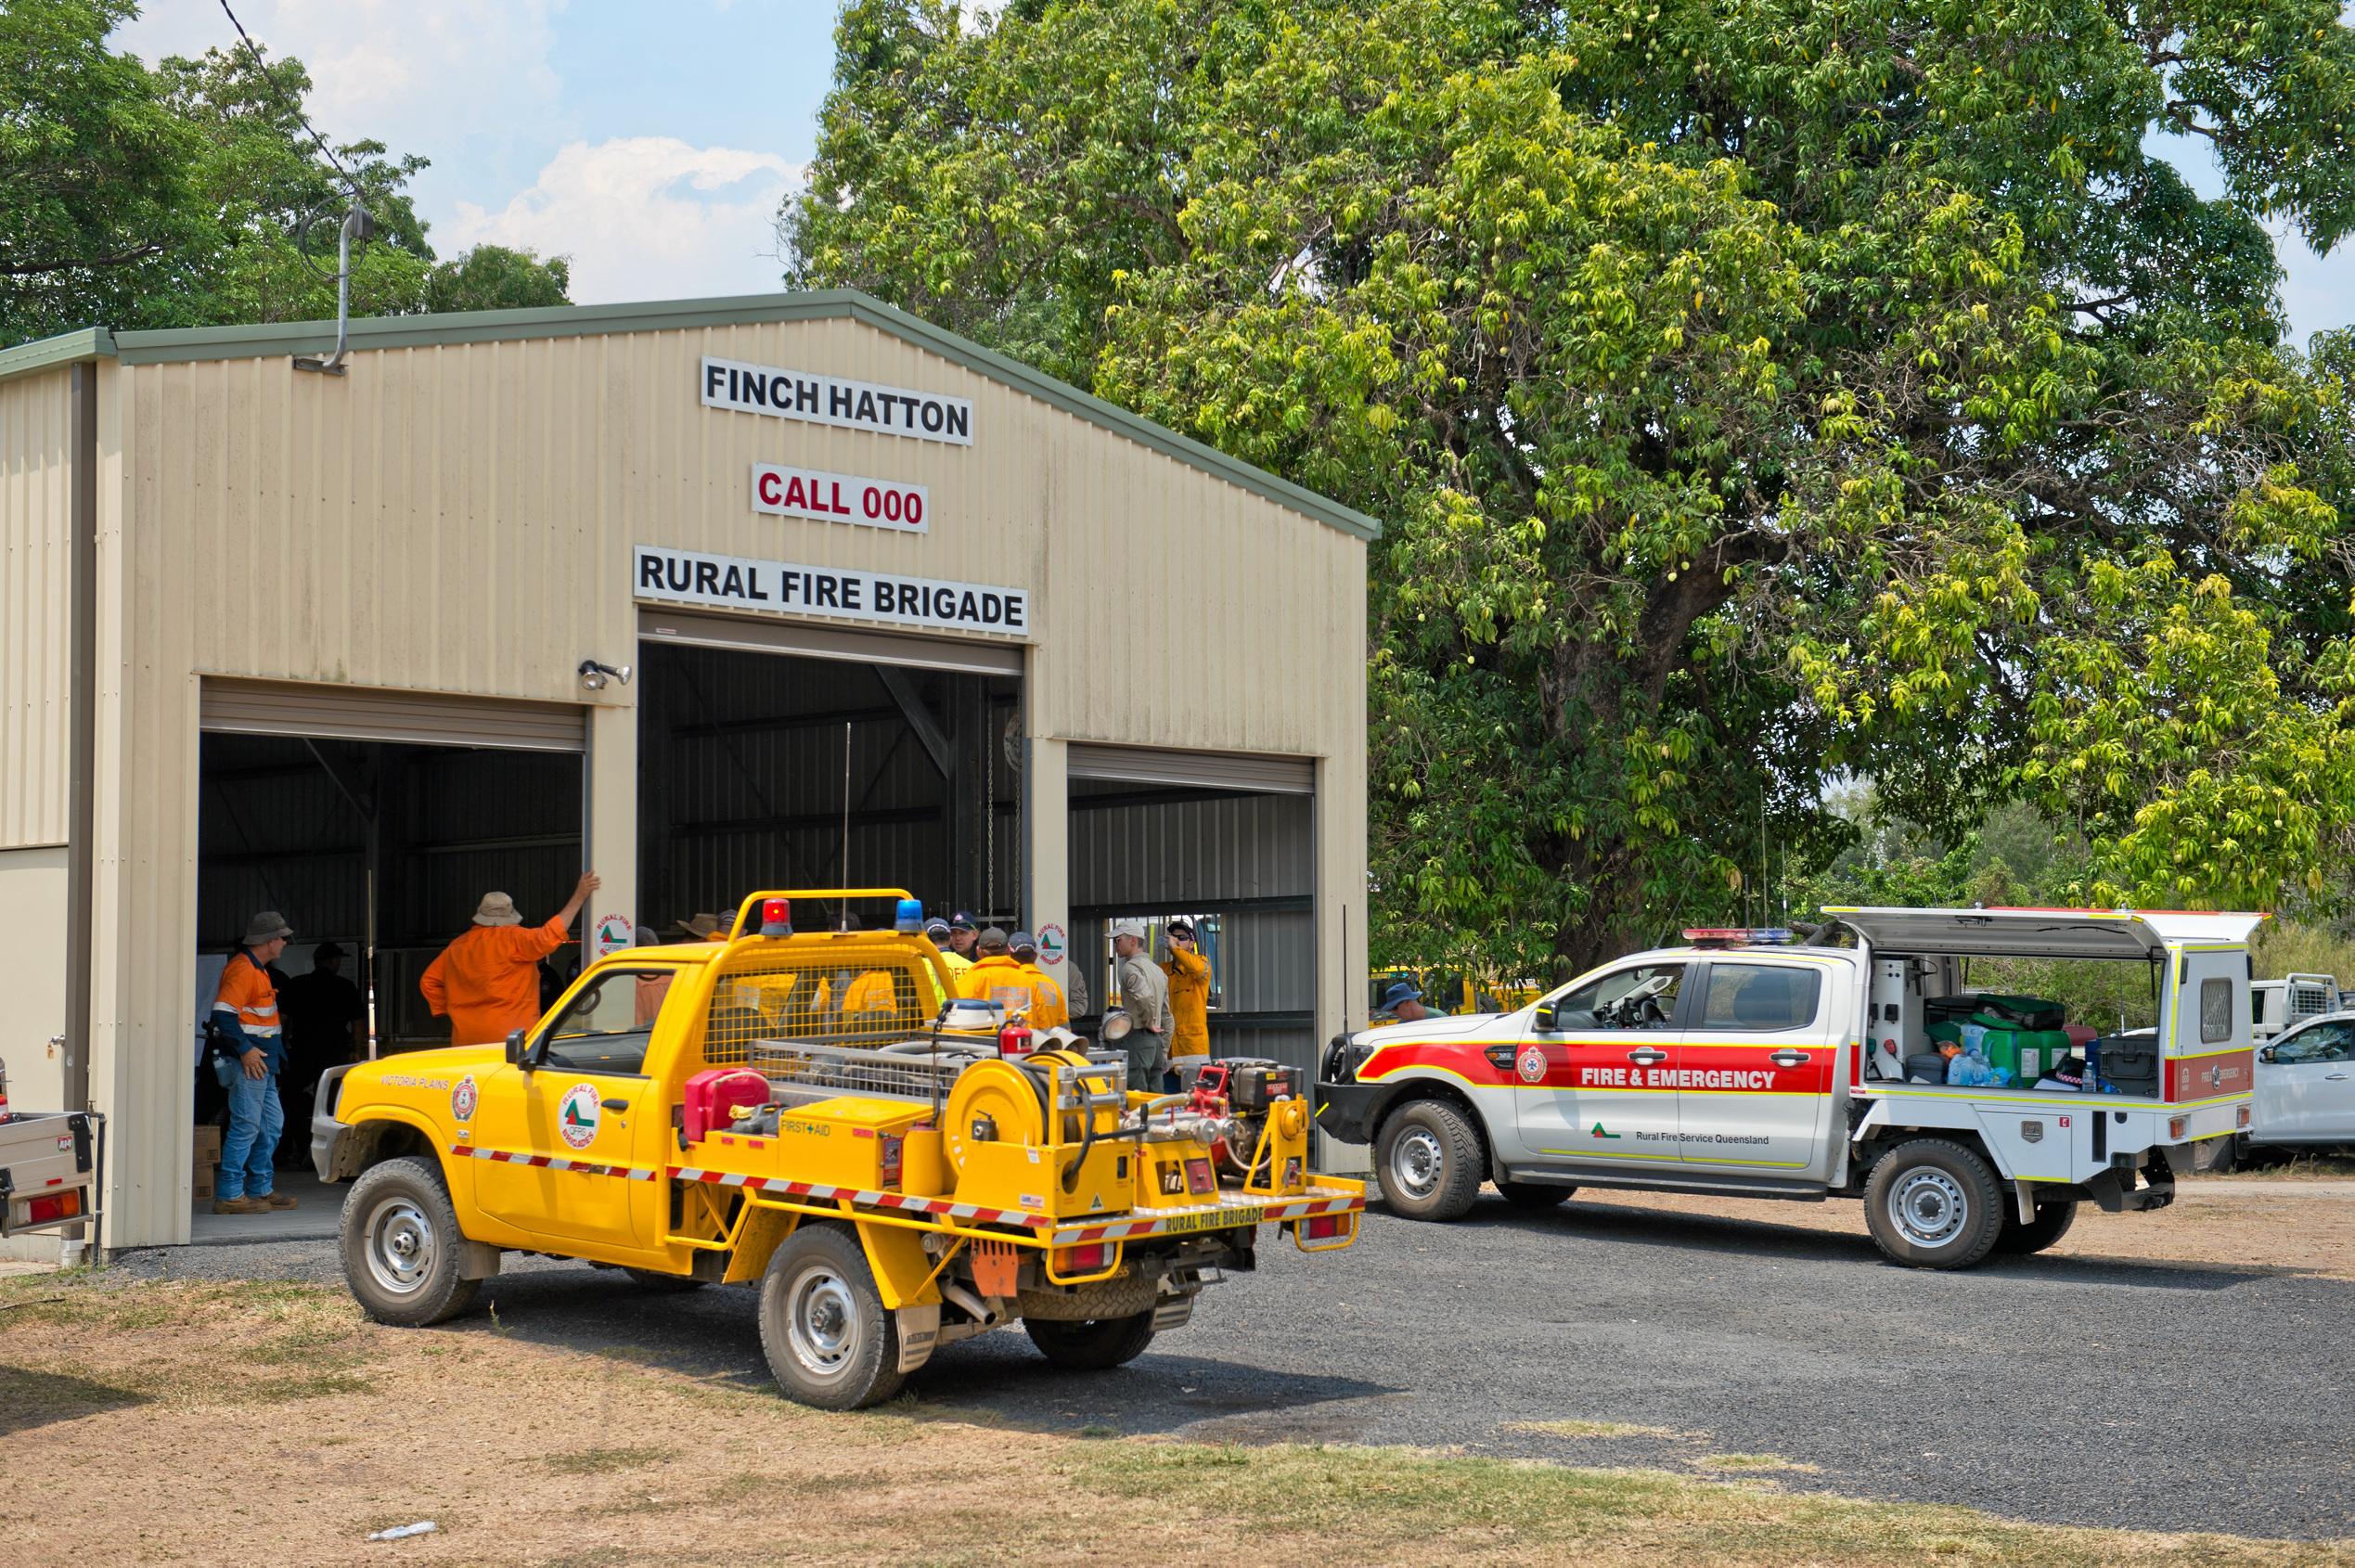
column 1173, row 1312
column 919, row 1333
column 2024, row 1200
column 478, row 1261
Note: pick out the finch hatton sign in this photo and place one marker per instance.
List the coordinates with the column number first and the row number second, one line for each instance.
column 828, row 592
column 830, row 400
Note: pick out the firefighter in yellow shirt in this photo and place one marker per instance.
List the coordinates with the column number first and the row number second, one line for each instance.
column 938, row 933
column 1049, row 1009
column 1189, row 975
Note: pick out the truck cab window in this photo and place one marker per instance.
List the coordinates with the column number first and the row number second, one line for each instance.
column 2324, row 1042
column 1760, row 996
column 605, row 1029
column 1642, row 997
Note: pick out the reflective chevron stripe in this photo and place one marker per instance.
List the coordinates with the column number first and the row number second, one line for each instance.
column 552, row 1162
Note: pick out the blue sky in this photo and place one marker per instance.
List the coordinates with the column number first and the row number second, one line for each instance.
column 653, row 142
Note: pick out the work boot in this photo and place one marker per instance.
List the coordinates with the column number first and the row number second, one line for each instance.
column 241, row 1205
column 279, row 1201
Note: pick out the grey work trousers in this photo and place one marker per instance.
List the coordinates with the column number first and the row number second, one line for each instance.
column 1148, row 1059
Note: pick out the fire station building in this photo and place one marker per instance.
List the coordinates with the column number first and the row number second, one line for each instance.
column 712, row 596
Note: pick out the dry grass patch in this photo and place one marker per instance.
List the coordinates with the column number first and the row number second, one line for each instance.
column 1757, row 1462
column 1596, row 1429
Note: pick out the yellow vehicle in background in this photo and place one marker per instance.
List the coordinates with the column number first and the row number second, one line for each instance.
column 891, row 1181
column 1454, row 993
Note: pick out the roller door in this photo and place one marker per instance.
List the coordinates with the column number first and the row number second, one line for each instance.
column 1194, row 770
column 746, row 635
column 410, row 717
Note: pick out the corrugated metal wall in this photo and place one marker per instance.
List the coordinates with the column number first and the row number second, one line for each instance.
column 35, row 541
column 460, row 518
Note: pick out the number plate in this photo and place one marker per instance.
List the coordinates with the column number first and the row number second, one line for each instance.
column 1216, row 1220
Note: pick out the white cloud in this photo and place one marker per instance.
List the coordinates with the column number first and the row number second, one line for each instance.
column 419, row 75
column 646, row 218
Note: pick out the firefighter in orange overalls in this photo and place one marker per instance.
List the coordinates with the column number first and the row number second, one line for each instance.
column 488, row 981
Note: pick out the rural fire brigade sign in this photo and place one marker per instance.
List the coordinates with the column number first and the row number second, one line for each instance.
column 829, row 592
column 877, row 503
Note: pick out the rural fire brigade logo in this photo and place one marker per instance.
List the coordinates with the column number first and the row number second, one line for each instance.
column 462, row 1100
column 1532, row 1065
column 576, row 1118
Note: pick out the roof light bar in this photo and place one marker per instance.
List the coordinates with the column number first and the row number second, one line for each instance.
column 1739, row 937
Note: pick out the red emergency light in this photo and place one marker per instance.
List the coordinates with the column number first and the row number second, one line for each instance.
column 1738, row 936
column 776, row 917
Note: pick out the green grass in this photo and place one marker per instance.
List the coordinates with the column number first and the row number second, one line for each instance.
column 604, row 1462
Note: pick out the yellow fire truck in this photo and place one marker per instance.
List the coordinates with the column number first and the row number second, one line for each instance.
column 817, row 1115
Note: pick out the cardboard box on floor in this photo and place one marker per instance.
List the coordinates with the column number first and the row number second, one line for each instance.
column 205, row 1158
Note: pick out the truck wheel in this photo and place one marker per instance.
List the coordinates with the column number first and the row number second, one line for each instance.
column 401, row 1246
column 1932, row 1204
column 1533, row 1194
column 1096, row 1345
column 663, row 1284
column 828, row 1336
column 2052, row 1223
column 1430, row 1161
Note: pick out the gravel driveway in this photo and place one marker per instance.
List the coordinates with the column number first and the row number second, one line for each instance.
column 2136, row 1392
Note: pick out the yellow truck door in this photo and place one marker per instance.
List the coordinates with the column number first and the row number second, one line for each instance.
column 571, row 1144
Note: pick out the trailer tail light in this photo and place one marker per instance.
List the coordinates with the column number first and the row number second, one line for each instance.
column 776, row 917
column 2176, row 1128
column 63, row 1205
column 2240, row 1118
column 1083, row 1260
column 1323, row 1227
column 891, row 1161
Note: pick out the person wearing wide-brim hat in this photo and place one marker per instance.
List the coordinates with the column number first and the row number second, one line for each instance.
column 245, row 1017
column 488, row 981
column 701, row 928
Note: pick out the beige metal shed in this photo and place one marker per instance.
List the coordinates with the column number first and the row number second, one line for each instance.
column 860, row 567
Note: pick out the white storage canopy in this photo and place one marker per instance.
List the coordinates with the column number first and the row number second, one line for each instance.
column 2041, row 934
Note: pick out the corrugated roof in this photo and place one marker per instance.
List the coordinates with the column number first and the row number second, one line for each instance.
column 289, row 338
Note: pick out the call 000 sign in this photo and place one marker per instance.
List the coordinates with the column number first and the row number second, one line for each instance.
column 877, row 503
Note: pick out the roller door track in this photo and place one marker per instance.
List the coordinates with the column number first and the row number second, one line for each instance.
column 744, row 635
column 1198, row 770
column 417, row 718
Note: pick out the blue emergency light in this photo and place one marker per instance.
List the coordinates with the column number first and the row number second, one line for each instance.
column 909, row 917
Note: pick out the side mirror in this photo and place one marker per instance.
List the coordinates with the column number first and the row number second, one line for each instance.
column 2267, row 1054
column 1547, row 1019
column 516, row 1055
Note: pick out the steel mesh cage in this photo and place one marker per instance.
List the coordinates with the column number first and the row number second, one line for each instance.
column 817, row 996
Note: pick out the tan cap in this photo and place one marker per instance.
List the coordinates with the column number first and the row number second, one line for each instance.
column 496, row 909
column 1129, row 927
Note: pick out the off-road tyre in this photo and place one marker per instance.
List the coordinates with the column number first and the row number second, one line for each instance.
column 1537, row 1196
column 2052, row 1223
column 1430, row 1160
column 830, row 1340
column 402, row 1248
column 1933, row 1203
column 661, row 1284
column 1097, row 1344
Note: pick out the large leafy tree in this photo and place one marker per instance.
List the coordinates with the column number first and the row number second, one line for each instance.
column 1755, row 396
column 191, row 194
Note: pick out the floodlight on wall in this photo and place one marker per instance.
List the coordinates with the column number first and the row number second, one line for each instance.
column 594, row 675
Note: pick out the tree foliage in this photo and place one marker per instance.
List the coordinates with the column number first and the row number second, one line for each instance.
column 190, row 194
column 1756, row 397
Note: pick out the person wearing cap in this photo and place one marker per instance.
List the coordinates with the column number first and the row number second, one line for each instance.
column 944, row 936
column 245, row 1014
column 1403, row 1001
column 997, row 975
column 326, row 1026
column 1189, row 976
column 1050, row 1009
column 1144, row 996
column 488, row 981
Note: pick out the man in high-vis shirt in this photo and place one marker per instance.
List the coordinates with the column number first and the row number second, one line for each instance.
column 245, row 1013
column 488, row 981
column 1189, row 976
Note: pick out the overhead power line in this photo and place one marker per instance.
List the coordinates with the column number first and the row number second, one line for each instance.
column 289, row 105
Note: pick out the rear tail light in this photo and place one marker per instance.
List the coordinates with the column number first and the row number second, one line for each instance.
column 1083, row 1260
column 1323, row 1227
column 64, row 1205
column 2240, row 1117
column 776, row 917
column 2176, row 1128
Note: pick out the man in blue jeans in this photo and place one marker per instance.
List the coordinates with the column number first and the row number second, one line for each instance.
column 245, row 1011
